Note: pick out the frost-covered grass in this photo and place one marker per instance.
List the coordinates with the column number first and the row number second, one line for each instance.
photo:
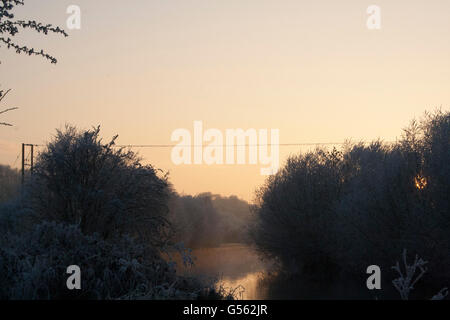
column 33, row 266
column 95, row 206
column 410, row 275
column 9, row 183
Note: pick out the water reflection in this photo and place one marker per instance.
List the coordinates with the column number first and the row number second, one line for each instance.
column 234, row 265
column 247, row 287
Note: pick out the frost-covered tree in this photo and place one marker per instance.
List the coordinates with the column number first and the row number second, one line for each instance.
column 294, row 216
column 396, row 198
column 92, row 204
column 80, row 180
column 332, row 216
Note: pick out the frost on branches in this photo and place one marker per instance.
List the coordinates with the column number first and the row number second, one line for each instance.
column 410, row 276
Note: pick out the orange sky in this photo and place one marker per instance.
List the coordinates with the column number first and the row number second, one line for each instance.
column 311, row 69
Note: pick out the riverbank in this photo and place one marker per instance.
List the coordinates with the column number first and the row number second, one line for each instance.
column 234, row 266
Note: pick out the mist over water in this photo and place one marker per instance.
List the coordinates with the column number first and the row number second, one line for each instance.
column 224, row 151
column 234, row 265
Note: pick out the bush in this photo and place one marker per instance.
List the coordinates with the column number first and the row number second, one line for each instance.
column 80, row 180
column 96, row 206
column 33, row 266
column 9, row 183
column 295, row 213
column 326, row 216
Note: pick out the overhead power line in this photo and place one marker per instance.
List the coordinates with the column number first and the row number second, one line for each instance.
column 225, row 145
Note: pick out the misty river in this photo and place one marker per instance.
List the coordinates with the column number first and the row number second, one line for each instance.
column 234, row 265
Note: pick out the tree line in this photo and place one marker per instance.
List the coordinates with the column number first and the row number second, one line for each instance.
column 327, row 215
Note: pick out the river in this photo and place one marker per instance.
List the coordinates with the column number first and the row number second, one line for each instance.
column 236, row 266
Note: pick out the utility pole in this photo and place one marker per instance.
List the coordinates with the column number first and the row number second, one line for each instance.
column 23, row 163
column 24, row 160
column 31, row 160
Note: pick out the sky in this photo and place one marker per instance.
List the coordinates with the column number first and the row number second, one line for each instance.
column 145, row 68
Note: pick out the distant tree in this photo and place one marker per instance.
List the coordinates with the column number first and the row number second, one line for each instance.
column 208, row 220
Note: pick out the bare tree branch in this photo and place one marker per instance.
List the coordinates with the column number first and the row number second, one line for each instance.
column 3, row 95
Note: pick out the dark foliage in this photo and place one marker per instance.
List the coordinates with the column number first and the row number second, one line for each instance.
column 326, row 216
column 96, row 206
column 103, row 189
column 208, row 220
column 9, row 183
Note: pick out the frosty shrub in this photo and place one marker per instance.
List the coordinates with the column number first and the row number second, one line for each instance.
column 395, row 198
column 380, row 207
column 12, row 218
column 409, row 275
column 295, row 213
column 80, row 180
column 9, row 183
column 93, row 205
column 33, row 266
column 435, row 150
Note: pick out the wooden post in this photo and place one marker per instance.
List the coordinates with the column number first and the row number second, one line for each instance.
column 23, row 163
column 31, row 161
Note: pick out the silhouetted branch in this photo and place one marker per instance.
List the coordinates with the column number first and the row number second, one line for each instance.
column 406, row 281
column 3, row 95
column 11, row 28
column 9, row 109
